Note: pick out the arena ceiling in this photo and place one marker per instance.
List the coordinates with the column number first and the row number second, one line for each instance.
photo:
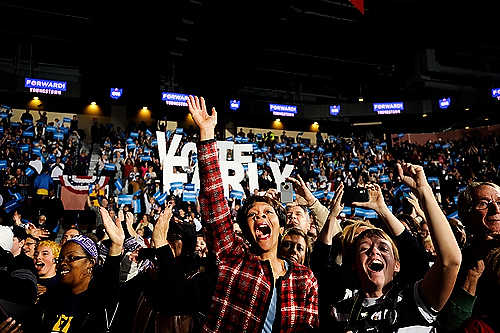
column 308, row 51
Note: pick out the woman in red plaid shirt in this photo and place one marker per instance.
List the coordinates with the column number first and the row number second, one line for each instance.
column 256, row 291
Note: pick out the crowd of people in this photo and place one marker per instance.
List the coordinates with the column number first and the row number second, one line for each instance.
column 380, row 236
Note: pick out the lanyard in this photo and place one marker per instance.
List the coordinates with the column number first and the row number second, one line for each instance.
column 109, row 323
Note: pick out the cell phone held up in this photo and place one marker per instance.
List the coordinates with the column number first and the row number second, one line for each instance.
column 286, row 192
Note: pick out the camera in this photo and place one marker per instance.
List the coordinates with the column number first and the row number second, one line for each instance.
column 286, row 191
column 355, row 194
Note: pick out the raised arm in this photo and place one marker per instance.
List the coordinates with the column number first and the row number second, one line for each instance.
column 377, row 203
column 332, row 226
column 438, row 283
column 306, row 198
column 214, row 210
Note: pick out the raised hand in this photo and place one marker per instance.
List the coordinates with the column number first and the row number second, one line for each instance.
column 205, row 122
column 120, row 215
column 9, row 325
column 375, row 198
column 336, row 205
column 302, row 193
column 36, row 232
column 115, row 232
column 129, row 218
column 413, row 176
column 161, row 227
column 414, row 202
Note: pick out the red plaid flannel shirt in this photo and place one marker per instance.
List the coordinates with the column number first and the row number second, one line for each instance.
column 244, row 282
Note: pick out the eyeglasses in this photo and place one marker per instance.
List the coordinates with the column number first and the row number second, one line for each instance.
column 69, row 259
column 485, row 204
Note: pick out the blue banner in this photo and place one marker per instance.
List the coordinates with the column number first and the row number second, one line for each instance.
column 283, row 110
column 330, row 195
column 131, row 146
column 176, row 186
column 136, row 204
column 11, row 205
column 24, row 148
column 347, row 210
column 388, row 108
column 384, row 179
column 125, row 199
column 260, row 161
column 188, row 187
column 175, row 99
column 29, row 171
column 50, row 129
column 66, row 119
column 134, row 135
column 433, row 180
column 453, row 215
column 3, row 164
column 116, row 93
column 28, row 134
column 161, row 198
column 367, row 213
column 236, row 194
column 44, row 85
column 58, row 136
column 119, row 185
column 109, row 167
column 148, row 132
column 373, row 169
column 319, row 194
column 145, row 158
column 189, row 196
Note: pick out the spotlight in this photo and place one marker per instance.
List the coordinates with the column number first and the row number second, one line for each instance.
column 35, row 98
column 360, row 99
column 424, row 115
column 315, row 123
column 278, row 120
column 93, row 103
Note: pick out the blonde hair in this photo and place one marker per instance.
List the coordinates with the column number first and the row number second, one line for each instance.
column 351, row 231
column 377, row 232
column 53, row 246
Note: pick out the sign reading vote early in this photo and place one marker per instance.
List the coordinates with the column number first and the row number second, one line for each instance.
column 283, row 110
column 175, row 99
column 334, row 110
column 388, row 108
column 45, row 86
column 232, row 171
column 116, row 93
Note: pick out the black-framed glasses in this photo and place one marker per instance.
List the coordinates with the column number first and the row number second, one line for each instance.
column 485, row 204
column 69, row 259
